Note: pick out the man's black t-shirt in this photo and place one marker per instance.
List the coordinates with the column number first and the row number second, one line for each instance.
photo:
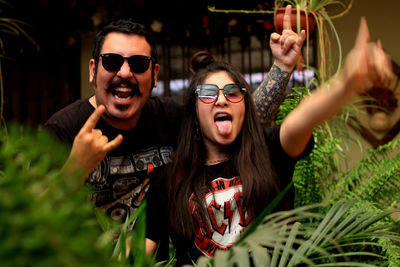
column 121, row 180
column 227, row 217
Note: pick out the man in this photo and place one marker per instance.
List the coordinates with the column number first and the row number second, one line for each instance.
column 121, row 136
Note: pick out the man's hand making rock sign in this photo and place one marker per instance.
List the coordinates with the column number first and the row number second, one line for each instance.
column 90, row 146
column 286, row 47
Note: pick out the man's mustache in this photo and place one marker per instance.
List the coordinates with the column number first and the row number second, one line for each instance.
column 124, row 83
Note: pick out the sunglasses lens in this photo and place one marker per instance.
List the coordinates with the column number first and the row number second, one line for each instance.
column 233, row 93
column 112, row 62
column 207, row 93
column 138, row 63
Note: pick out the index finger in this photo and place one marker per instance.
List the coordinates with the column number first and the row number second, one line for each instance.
column 287, row 24
column 93, row 119
column 363, row 34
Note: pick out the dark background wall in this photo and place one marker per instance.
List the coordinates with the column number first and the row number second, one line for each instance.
column 41, row 78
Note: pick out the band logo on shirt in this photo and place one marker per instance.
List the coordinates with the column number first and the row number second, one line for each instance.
column 120, row 182
column 228, row 219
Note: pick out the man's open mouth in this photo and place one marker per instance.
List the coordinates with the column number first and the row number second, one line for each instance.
column 123, row 93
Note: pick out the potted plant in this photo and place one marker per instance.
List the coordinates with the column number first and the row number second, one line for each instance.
column 306, row 19
column 316, row 12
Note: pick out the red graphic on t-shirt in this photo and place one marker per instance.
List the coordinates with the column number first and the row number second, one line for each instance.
column 227, row 217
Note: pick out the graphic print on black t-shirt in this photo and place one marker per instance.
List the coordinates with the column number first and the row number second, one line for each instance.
column 120, row 182
column 227, row 217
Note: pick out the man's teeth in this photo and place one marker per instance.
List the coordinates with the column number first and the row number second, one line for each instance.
column 122, row 89
column 122, row 98
column 122, row 93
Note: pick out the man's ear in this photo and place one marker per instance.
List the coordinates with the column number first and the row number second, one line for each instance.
column 155, row 73
column 92, row 68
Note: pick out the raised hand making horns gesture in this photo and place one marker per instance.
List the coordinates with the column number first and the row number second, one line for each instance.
column 365, row 65
column 286, row 47
column 90, row 145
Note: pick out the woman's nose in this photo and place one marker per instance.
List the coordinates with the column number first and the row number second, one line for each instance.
column 221, row 99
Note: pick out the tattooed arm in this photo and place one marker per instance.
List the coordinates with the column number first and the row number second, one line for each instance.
column 286, row 49
column 270, row 94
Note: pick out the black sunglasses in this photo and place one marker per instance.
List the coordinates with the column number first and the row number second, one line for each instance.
column 137, row 63
column 208, row 93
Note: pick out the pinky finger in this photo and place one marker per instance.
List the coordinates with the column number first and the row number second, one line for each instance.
column 113, row 144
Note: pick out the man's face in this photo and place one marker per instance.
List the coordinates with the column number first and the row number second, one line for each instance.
column 123, row 92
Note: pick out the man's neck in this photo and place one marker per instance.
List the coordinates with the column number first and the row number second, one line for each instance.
column 124, row 125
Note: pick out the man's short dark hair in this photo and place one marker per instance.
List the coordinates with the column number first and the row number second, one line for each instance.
column 127, row 27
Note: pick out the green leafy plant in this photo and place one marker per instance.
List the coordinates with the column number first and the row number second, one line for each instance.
column 321, row 162
column 341, row 236
column 373, row 182
column 375, row 179
column 45, row 218
column 130, row 247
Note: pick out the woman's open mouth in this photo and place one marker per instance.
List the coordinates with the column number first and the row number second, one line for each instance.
column 223, row 122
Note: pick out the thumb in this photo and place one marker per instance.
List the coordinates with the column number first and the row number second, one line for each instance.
column 275, row 37
column 93, row 119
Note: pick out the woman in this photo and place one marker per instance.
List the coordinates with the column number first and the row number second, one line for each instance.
column 226, row 167
column 233, row 173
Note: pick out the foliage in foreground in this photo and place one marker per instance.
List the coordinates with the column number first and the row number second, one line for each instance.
column 342, row 236
column 45, row 219
column 373, row 182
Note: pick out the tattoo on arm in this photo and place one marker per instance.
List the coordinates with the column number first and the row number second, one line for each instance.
column 270, row 94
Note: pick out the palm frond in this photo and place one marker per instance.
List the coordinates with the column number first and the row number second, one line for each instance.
column 306, row 236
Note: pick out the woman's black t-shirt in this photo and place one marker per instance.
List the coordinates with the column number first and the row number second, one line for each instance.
column 228, row 219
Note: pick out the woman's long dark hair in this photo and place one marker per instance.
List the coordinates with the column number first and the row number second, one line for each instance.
column 249, row 154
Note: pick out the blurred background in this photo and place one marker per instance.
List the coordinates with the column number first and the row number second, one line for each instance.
column 42, row 78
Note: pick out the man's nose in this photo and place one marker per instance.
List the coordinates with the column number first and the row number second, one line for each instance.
column 125, row 70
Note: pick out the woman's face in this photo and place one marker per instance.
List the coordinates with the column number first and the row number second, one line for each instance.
column 221, row 121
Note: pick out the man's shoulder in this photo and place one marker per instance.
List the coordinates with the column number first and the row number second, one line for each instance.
column 67, row 122
column 77, row 109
